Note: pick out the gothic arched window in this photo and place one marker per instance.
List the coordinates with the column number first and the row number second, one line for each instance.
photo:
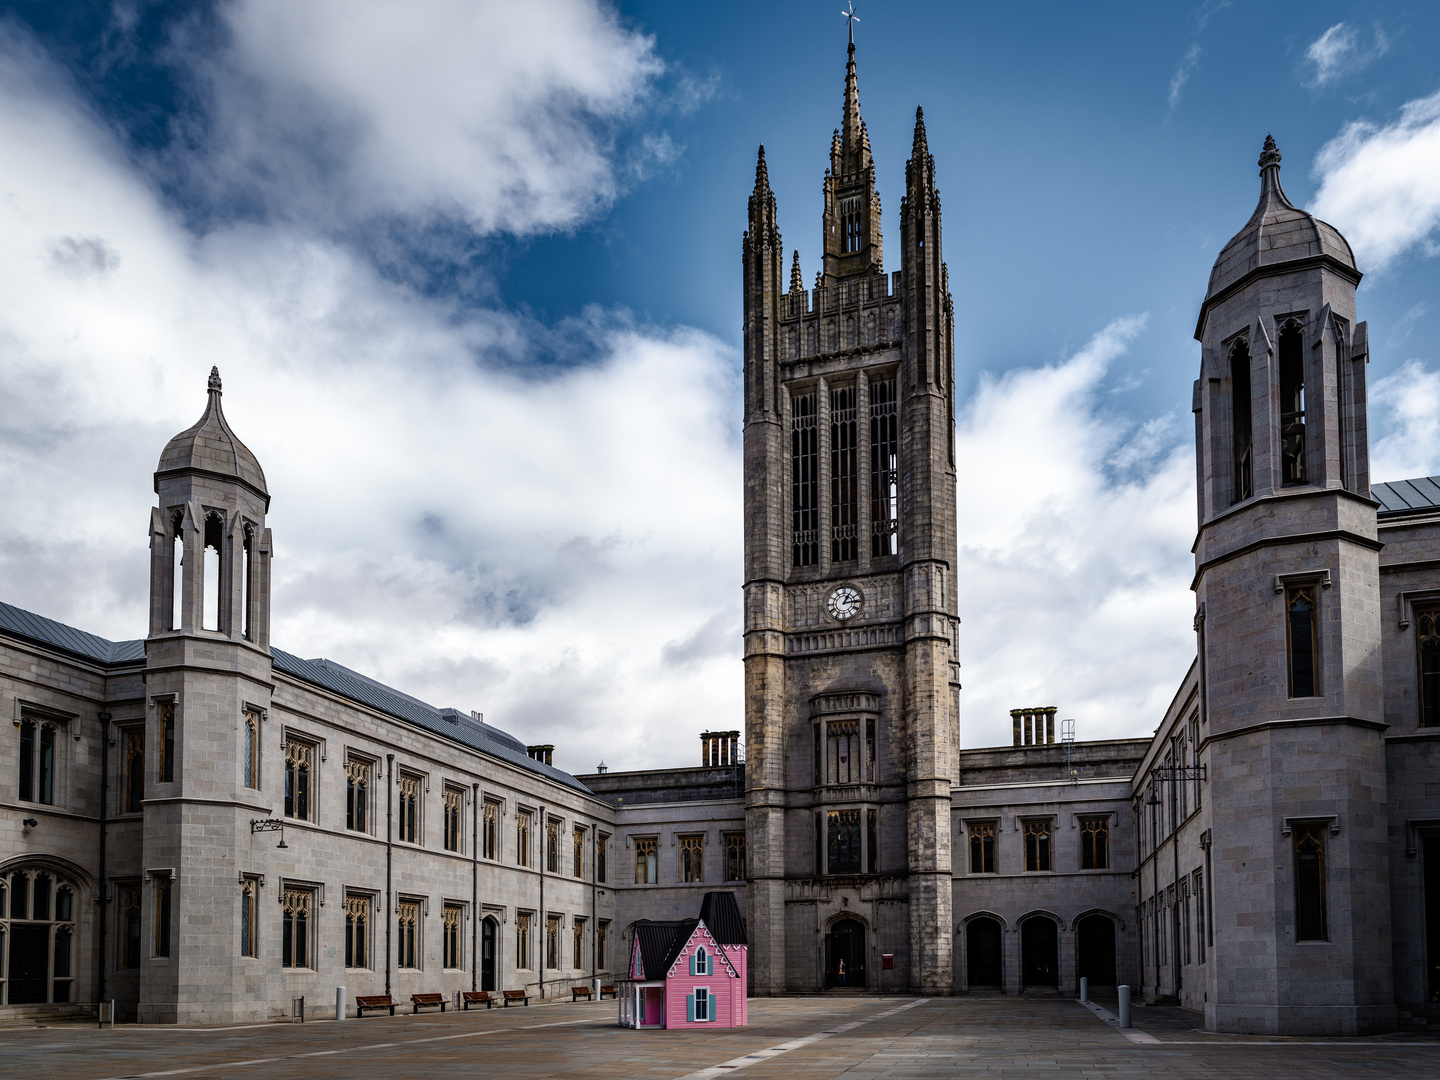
column 37, row 764
column 1427, row 626
column 214, row 539
column 37, row 938
column 1292, row 405
column 1240, row 423
column 1302, row 629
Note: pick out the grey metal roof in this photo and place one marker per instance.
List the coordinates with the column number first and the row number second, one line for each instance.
column 1407, row 496
column 27, row 624
column 720, row 913
column 449, row 724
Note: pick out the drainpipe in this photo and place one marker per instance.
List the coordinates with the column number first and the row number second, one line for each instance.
column 389, row 855
column 474, row 879
column 544, row 927
column 1175, row 850
column 104, row 719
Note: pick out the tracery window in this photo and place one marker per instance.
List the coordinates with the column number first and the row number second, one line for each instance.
column 409, row 806
column 1094, row 843
column 134, row 767
column 164, row 889
column 37, row 761
column 602, row 840
column 1037, row 845
column 850, row 232
column 982, row 847
column 578, row 861
column 491, row 824
column 299, row 761
column 842, row 752
column 872, row 846
column 805, row 480
column 357, row 794
column 357, row 930
column 167, row 742
column 451, row 920
column 578, row 943
column 600, row 943
column 130, row 928
column 1292, row 405
column 1240, row 426
column 252, row 748
column 552, row 942
column 552, row 845
column 1310, row 921
column 454, row 801
column 295, row 943
column 250, row 917
column 646, row 862
column 523, row 820
column 1427, row 641
column 735, row 856
column 37, row 938
column 844, row 477
column 844, row 841
column 1302, row 640
column 692, row 859
column 522, row 941
column 884, row 469
column 407, row 924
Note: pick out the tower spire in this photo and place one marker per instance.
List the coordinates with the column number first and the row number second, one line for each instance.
column 797, row 282
column 850, row 127
column 762, row 174
column 920, row 146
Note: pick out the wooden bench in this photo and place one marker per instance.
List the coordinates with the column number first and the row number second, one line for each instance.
column 577, row 992
column 373, row 1002
column 512, row 996
column 608, row 990
column 419, row 1001
column 477, row 997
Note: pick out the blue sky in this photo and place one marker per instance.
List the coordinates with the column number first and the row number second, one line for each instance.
column 471, row 273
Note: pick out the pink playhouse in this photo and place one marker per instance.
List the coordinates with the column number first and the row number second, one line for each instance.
column 688, row 973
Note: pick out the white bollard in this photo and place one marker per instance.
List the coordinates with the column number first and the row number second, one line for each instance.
column 1084, row 989
column 1124, row 1006
column 339, row 1003
column 595, row 988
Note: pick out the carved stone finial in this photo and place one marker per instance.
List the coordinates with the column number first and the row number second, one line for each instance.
column 796, row 281
column 215, row 380
column 1270, row 155
column 762, row 174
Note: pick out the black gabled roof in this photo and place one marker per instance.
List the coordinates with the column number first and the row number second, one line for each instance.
column 1407, row 496
column 721, row 916
column 446, row 723
column 27, row 624
column 660, row 943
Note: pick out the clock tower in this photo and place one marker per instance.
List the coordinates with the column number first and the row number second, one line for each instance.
column 851, row 669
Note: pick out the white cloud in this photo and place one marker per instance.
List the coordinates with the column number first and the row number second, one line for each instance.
column 498, row 114
column 1340, row 52
column 1075, row 552
column 1183, row 71
column 1380, row 185
column 1406, row 406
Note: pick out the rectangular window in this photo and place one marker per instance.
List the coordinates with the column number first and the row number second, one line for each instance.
column 701, row 1004
column 646, row 862
column 28, row 729
column 577, row 943
column 451, row 921
column 134, row 767
column 299, row 763
column 524, row 819
column 1195, row 757
column 872, row 847
column 1310, row 883
column 692, row 859
column 844, row 477
column 295, row 943
column 522, row 942
column 1199, row 881
column 600, row 944
column 982, row 848
column 552, row 942
column 129, row 928
column 409, row 807
column 1037, row 845
column 842, row 752
column 357, row 794
column 818, row 758
column 1302, row 640
column 407, row 923
column 805, row 480
column 1094, row 843
column 577, row 862
column 454, row 802
column 601, row 842
column 1427, row 642
column 252, row 749
column 357, row 931
column 735, row 856
column 491, row 825
column 37, row 762
column 163, row 889
column 167, row 742
column 870, row 750
column 1292, row 407
column 1240, row 421
column 250, row 917
column 1185, row 918
column 552, row 845
column 843, row 854
column 884, row 469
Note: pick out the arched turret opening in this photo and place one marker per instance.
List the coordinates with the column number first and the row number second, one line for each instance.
column 1241, row 441
column 1292, row 405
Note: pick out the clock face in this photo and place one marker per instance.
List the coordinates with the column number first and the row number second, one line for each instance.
column 844, row 602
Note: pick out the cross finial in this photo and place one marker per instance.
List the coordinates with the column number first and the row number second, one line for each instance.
column 851, row 19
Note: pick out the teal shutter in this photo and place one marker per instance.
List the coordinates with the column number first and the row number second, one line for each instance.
column 692, row 969
column 690, row 1007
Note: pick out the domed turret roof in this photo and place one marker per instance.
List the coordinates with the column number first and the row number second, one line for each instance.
column 1277, row 233
column 209, row 446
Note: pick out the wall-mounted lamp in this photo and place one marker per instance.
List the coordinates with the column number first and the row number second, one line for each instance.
column 29, row 822
column 270, row 825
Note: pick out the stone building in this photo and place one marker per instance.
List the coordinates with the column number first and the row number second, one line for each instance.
column 204, row 827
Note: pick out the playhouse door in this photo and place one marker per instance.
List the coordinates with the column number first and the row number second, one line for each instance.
column 652, row 1007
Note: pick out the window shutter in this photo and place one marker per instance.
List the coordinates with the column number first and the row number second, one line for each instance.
column 690, row 1007
column 692, row 968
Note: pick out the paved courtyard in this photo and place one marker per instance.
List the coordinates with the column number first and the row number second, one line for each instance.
column 859, row 1038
